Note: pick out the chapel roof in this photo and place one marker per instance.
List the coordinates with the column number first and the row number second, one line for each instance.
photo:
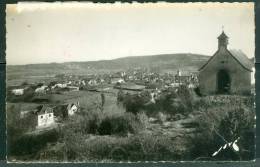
column 222, row 35
column 240, row 57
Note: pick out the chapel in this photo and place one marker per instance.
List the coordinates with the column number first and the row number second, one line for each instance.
column 226, row 72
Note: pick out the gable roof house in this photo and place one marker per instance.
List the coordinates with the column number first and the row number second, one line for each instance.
column 45, row 116
column 72, row 108
column 41, row 90
column 18, row 92
column 117, row 80
column 226, row 72
column 66, row 110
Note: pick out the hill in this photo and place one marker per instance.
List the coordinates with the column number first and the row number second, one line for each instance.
column 162, row 63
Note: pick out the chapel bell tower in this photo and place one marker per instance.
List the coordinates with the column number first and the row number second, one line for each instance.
column 222, row 40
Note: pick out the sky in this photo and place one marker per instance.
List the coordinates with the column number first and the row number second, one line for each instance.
column 63, row 32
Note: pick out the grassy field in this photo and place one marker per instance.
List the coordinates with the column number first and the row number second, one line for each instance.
column 173, row 139
column 85, row 99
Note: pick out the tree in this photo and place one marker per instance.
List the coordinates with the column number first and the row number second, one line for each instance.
column 52, row 83
column 103, row 100
column 120, row 96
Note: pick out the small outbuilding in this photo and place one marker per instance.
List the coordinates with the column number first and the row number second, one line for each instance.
column 226, row 72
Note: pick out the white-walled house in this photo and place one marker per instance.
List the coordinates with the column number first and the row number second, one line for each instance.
column 23, row 114
column 73, row 88
column 41, row 89
column 92, row 82
column 45, row 117
column 83, row 82
column 65, row 110
column 117, row 80
column 59, row 85
column 175, row 85
column 72, row 108
column 18, row 92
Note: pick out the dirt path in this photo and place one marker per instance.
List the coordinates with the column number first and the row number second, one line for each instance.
column 172, row 128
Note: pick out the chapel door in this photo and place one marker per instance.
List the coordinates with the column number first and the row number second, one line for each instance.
column 223, row 82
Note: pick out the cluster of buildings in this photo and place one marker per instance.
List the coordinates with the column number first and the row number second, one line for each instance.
column 44, row 116
column 137, row 76
column 41, row 88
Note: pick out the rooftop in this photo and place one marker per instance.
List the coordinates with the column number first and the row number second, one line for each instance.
column 222, row 35
column 44, row 109
column 242, row 59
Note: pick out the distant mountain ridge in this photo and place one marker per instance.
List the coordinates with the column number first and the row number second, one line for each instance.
column 162, row 61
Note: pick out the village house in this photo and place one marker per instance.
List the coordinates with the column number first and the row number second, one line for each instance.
column 59, row 85
column 175, row 85
column 66, row 110
column 82, row 82
column 41, row 90
column 72, row 108
column 92, row 82
column 45, row 116
column 117, row 80
column 227, row 71
column 23, row 114
column 131, row 78
column 182, row 77
column 73, row 88
column 18, row 92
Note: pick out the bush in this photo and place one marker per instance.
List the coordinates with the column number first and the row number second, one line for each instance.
column 143, row 118
column 205, row 141
column 120, row 124
column 141, row 147
column 170, row 101
column 93, row 121
column 24, row 83
column 26, row 97
column 161, row 117
column 55, row 152
column 147, row 147
column 176, row 101
column 52, row 83
column 84, row 123
column 31, row 144
column 197, row 91
column 187, row 97
column 239, row 123
column 165, row 101
column 221, row 124
column 16, row 127
column 133, row 103
column 120, row 96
